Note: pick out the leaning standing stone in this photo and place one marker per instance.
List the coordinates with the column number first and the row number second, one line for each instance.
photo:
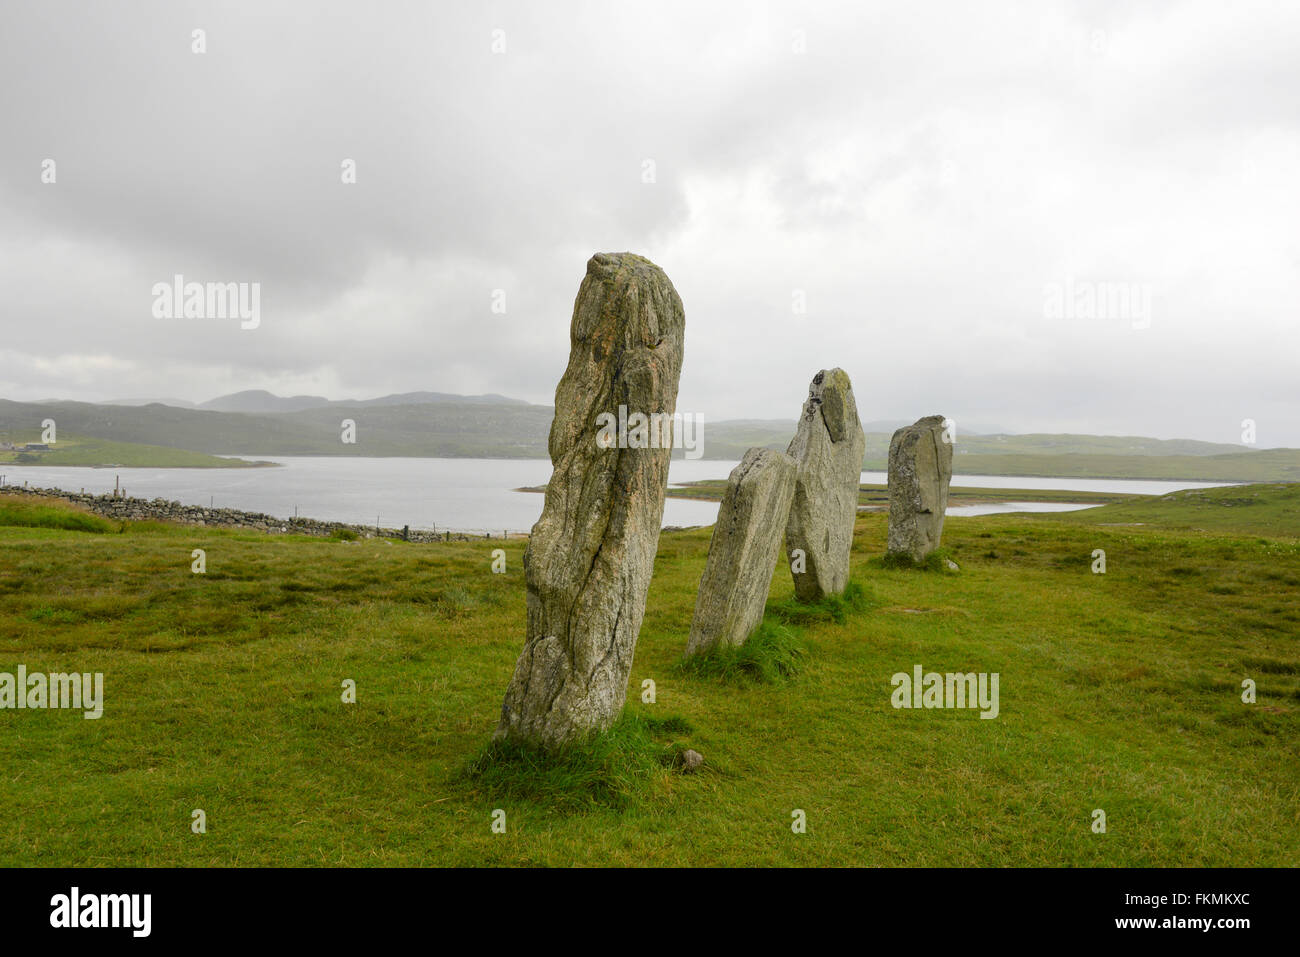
column 828, row 448
column 743, row 551
column 920, row 469
column 589, row 560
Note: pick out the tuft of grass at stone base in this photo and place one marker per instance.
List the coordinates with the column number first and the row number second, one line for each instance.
column 833, row 608
column 772, row 653
column 613, row 768
column 936, row 561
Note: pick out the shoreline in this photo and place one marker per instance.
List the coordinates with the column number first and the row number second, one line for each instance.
column 127, row 509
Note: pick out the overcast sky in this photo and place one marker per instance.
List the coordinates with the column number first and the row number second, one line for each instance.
column 941, row 185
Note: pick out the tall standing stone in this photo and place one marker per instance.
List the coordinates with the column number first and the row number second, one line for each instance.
column 743, row 551
column 591, row 554
column 920, row 469
column 828, row 448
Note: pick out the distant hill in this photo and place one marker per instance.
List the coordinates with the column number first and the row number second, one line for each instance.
column 441, row 428
column 1054, row 444
column 730, row 439
column 433, row 424
column 179, row 403
column 890, row 426
column 420, row 398
column 259, row 400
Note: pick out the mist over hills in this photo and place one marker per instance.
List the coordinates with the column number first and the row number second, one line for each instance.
column 178, row 403
column 453, row 427
column 259, row 400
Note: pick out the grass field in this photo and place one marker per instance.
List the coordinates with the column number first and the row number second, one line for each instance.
column 1266, row 509
column 1118, row 691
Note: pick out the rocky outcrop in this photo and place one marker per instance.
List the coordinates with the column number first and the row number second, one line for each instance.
column 920, row 470
column 828, row 448
column 591, row 554
column 743, row 551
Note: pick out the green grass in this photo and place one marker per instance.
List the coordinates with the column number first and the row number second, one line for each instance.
column 223, row 692
column 616, row 768
column 773, row 652
column 18, row 511
column 834, row 608
column 936, row 561
column 1270, row 510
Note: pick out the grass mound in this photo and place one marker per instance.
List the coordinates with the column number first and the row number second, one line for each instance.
column 836, row 608
column 610, row 769
column 25, row 514
column 936, row 561
column 777, row 650
column 772, row 653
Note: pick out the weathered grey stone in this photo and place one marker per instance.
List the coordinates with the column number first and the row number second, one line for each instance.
column 743, row 551
column 690, row 760
column 828, row 448
column 920, row 468
column 591, row 554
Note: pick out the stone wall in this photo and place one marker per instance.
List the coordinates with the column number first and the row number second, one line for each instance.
column 161, row 510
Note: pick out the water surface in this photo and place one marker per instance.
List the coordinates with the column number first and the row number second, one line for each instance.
column 458, row 494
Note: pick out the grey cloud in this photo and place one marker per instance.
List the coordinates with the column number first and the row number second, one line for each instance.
column 921, row 172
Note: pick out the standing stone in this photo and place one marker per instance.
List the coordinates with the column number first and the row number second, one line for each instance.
column 920, row 468
column 828, row 448
column 591, row 554
column 743, row 551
